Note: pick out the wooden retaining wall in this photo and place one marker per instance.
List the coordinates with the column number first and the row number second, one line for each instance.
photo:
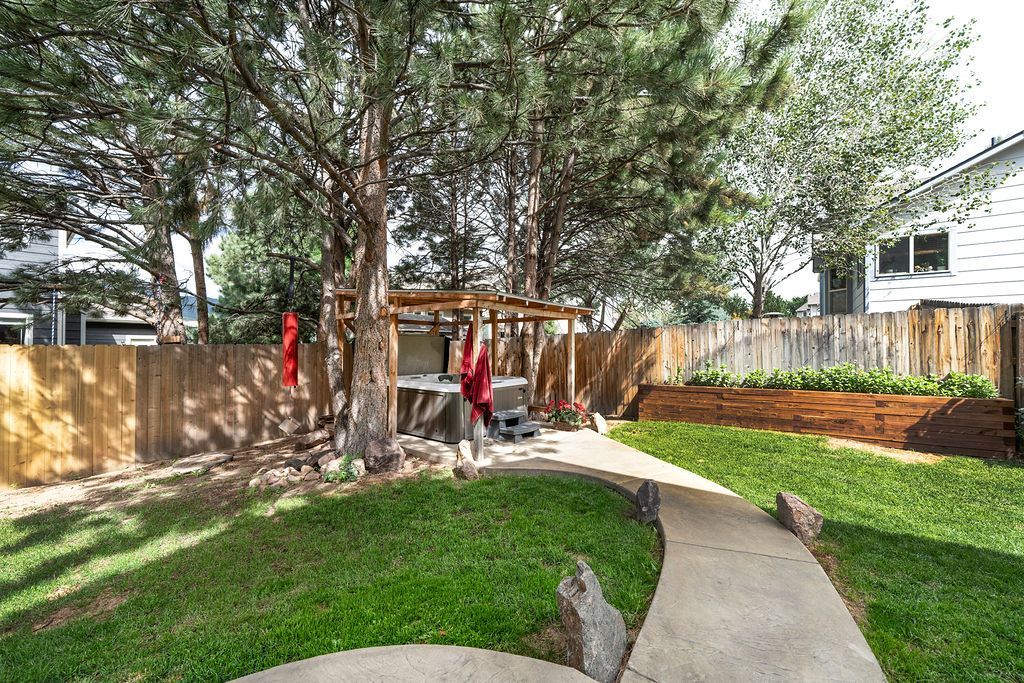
column 967, row 426
column 73, row 411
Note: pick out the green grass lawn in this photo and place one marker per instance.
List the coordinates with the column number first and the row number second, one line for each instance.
column 208, row 591
column 931, row 554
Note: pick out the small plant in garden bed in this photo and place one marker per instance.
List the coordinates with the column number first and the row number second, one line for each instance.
column 847, row 377
column 564, row 412
column 347, row 471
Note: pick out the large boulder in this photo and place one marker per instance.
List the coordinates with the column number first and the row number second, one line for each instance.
column 383, row 455
column 595, row 630
column 803, row 520
column 466, row 469
column 648, row 502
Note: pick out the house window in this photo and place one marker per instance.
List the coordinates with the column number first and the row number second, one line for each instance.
column 837, row 286
column 915, row 254
column 15, row 330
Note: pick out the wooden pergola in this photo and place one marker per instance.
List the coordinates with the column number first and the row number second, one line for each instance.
column 501, row 308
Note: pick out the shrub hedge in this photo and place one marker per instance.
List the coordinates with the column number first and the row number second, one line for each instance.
column 847, row 377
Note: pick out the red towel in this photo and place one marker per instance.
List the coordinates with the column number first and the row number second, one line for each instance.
column 467, row 365
column 290, row 339
column 483, row 397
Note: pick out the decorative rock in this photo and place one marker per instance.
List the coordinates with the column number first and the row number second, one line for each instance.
column 255, row 481
column 290, row 472
column 598, row 423
column 325, row 459
column 305, row 469
column 295, row 463
column 314, row 438
column 262, row 470
column 465, row 450
column 383, row 455
column 596, row 631
column 294, row 478
column 467, row 469
column 359, row 465
column 312, row 475
column 803, row 520
column 199, row 464
column 648, row 502
column 332, row 466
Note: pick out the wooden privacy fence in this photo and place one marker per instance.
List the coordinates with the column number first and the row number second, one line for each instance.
column 610, row 365
column 68, row 411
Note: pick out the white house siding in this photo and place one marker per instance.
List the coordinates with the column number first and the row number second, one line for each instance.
column 986, row 255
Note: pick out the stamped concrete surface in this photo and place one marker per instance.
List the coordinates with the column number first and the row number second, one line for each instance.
column 417, row 663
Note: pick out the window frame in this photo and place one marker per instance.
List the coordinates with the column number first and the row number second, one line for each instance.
column 24, row 321
column 910, row 257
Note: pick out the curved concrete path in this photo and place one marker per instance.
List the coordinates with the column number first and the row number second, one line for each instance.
column 739, row 597
column 417, row 663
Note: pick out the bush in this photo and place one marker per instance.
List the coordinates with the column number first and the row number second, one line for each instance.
column 847, row 377
column 714, row 377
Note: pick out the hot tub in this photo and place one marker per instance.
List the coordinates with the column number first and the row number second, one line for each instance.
column 431, row 406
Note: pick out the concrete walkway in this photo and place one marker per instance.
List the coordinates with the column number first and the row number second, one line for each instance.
column 739, row 597
column 417, row 663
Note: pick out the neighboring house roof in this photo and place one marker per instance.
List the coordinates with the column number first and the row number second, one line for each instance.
column 813, row 301
column 970, row 162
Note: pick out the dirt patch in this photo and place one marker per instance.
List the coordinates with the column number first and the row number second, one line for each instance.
column 223, row 488
column 103, row 604
column 549, row 643
column 828, row 562
column 911, row 457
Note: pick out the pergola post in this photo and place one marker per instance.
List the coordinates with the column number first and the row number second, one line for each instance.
column 494, row 342
column 393, row 377
column 478, row 428
column 570, row 361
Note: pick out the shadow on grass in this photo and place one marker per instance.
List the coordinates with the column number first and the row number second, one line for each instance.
column 215, row 594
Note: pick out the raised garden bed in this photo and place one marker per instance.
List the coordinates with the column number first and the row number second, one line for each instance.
column 937, row 424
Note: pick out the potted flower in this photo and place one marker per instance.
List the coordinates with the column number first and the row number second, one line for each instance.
column 568, row 417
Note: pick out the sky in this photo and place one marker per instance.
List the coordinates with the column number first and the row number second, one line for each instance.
column 1000, row 93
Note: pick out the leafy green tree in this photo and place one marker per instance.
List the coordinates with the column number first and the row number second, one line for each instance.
column 876, row 99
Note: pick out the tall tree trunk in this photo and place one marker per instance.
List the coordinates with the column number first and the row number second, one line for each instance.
column 202, row 302
column 511, row 232
column 757, row 296
column 167, row 317
column 553, row 241
column 530, row 252
column 368, row 402
column 332, row 274
column 169, row 323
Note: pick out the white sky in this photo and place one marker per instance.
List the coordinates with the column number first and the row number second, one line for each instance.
column 996, row 65
column 1000, row 90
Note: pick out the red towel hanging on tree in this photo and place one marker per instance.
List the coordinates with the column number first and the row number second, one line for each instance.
column 483, row 396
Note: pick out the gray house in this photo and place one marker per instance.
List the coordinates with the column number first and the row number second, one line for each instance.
column 48, row 323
